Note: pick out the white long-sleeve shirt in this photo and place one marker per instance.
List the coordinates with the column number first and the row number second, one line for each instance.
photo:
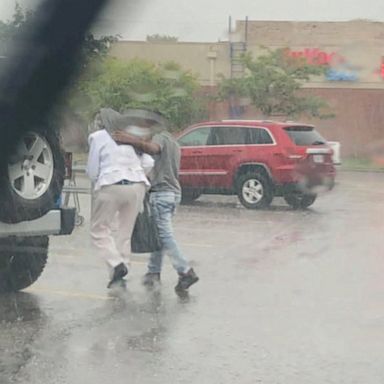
column 109, row 163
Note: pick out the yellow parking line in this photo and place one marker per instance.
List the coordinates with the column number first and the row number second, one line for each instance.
column 81, row 295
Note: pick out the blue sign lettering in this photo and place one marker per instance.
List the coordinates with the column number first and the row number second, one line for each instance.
column 340, row 75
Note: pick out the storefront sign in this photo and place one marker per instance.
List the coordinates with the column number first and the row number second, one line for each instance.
column 316, row 56
column 341, row 75
column 380, row 71
column 339, row 68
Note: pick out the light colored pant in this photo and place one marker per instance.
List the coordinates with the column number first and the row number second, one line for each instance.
column 121, row 202
column 163, row 206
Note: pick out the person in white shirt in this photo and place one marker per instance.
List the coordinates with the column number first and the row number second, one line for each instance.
column 119, row 178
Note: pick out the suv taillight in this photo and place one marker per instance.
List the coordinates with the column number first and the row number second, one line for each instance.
column 292, row 154
column 319, row 151
column 295, row 157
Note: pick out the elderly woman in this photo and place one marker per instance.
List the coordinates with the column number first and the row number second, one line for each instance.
column 119, row 177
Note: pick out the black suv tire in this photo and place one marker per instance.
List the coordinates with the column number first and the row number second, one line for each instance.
column 254, row 190
column 300, row 201
column 187, row 196
column 22, row 261
column 31, row 183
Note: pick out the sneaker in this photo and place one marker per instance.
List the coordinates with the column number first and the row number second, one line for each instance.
column 150, row 279
column 118, row 273
column 186, row 280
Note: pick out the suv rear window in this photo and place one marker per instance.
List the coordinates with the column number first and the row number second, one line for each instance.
column 303, row 136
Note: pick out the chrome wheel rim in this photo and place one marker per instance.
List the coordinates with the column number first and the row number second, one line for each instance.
column 30, row 170
column 252, row 191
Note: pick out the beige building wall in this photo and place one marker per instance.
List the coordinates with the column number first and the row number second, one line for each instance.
column 206, row 60
column 355, row 50
column 301, row 33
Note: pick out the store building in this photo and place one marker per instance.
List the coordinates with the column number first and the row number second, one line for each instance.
column 353, row 85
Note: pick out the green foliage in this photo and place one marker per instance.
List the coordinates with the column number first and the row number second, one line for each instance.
column 96, row 48
column 138, row 83
column 106, row 82
column 272, row 83
column 93, row 49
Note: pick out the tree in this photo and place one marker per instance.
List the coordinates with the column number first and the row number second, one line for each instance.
column 93, row 48
column 107, row 82
column 68, row 114
column 272, row 83
column 139, row 84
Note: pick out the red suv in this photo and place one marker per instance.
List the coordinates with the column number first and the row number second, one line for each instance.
column 256, row 160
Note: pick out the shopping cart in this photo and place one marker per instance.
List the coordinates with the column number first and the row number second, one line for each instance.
column 71, row 189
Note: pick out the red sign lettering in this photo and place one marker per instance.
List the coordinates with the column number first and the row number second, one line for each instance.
column 382, row 68
column 315, row 56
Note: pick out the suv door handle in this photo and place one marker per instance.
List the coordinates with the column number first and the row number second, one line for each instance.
column 237, row 150
column 197, row 152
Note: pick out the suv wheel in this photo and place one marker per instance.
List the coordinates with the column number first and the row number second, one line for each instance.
column 32, row 182
column 22, row 261
column 300, row 201
column 254, row 191
column 187, row 196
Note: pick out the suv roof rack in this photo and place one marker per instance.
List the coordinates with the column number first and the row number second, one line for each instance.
column 229, row 120
column 249, row 121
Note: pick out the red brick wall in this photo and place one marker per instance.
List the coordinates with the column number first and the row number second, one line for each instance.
column 359, row 121
column 358, row 124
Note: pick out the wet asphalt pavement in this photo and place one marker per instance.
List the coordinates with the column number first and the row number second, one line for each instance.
column 285, row 297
